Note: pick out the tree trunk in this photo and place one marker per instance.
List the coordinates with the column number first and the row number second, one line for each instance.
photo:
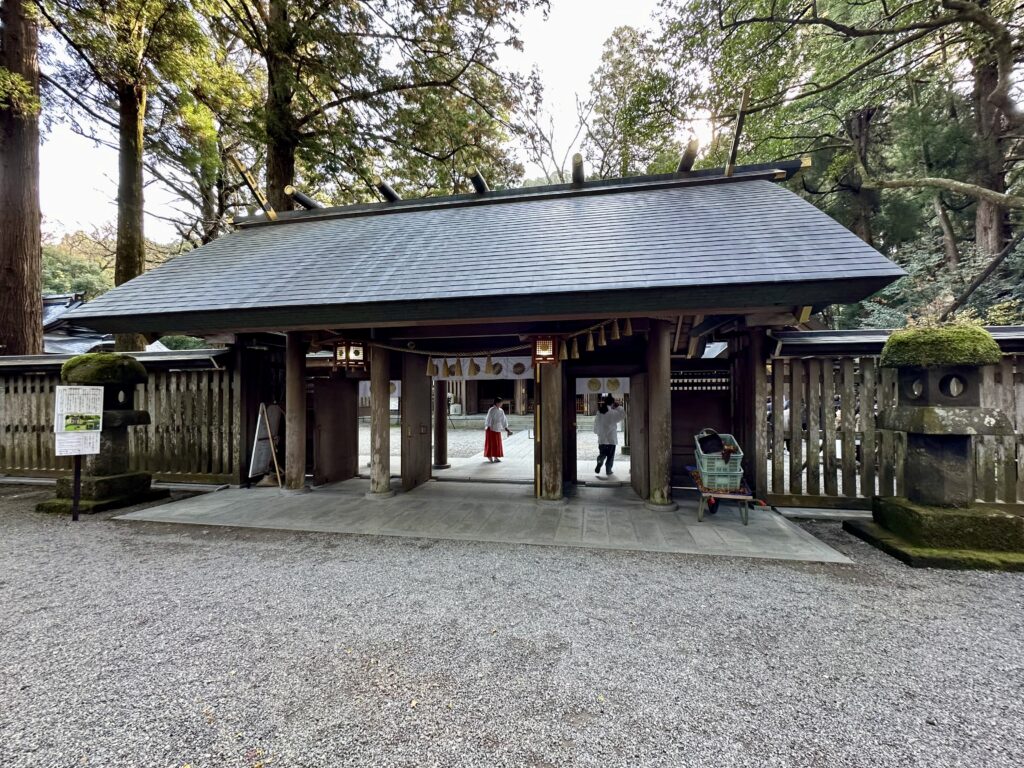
column 949, row 246
column 282, row 132
column 130, row 258
column 21, row 304
column 991, row 229
column 866, row 202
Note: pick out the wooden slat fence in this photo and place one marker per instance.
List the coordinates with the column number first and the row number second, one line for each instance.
column 826, row 448
column 194, row 434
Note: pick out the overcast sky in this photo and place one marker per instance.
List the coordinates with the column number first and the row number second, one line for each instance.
column 79, row 179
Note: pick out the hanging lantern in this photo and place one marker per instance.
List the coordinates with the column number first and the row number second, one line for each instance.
column 458, row 368
column 627, row 330
column 614, row 335
column 590, row 341
column 601, row 340
column 431, row 368
column 489, row 367
column 350, row 354
column 563, row 350
column 474, row 367
column 544, row 351
column 575, row 354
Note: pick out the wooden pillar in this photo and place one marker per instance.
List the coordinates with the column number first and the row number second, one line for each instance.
column 519, row 396
column 415, row 421
column 549, row 379
column 380, row 423
column 441, row 424
column 659, row 410
column 639, row 466
column 757, row 463
column 335, row 430
column 295, row 412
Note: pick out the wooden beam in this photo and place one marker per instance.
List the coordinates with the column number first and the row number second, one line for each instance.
column 578, row 173
column 250, row 182
column 730, row 167
column 386, row 190
column 478, row 181
column 380, row 423
column 691, row 350
column 549, row 379
column 295, row 412
column 678, row 334
column 302, row 198
column 441, row 424
column 689, row 157
column 659, row 408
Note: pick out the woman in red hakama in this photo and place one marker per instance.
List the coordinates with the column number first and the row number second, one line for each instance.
column 494, row 425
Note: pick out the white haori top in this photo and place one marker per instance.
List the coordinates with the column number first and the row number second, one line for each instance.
column 606, row 426
column 496, row 421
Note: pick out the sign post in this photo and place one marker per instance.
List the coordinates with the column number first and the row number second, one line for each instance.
column 77, row 424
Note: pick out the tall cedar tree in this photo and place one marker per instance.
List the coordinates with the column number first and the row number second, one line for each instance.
column 120, row 49
column 339, row 73
column 21, row 309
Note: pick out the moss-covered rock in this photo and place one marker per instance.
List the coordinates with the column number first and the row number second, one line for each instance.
column 944, row 345
column 974, row 528
column 933, row 557
column 99, row 368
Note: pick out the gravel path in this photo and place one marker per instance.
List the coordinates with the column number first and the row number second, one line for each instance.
column 156, row 646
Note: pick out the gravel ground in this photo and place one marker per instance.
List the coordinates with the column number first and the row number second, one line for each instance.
column 158, row 646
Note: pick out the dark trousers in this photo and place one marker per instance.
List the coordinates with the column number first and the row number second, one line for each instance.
column 606, row 456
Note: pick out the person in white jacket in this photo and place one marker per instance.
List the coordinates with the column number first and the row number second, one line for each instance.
column 495, row 423
column 606, row 427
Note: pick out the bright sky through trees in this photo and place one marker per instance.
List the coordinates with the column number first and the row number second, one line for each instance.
column 78, row 183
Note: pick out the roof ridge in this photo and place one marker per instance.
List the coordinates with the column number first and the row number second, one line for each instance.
column 759, row 172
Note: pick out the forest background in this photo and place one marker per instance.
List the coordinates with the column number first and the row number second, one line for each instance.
column 909, row 111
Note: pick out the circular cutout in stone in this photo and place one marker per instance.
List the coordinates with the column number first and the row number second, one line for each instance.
column 915, row 389
column 120, row 396
column 952, row 385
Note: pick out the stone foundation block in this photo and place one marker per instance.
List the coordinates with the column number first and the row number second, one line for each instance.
column 107, row 486
column 972, row 528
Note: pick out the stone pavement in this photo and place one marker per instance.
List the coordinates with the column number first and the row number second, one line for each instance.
column 604, row 518
column 516, row 466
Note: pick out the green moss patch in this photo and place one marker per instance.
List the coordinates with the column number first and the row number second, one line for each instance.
column 933, row 557
column 98, row 368
column 973, row 528
column 946, row 345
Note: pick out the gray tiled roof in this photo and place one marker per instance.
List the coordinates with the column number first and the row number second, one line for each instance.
column 739, row 234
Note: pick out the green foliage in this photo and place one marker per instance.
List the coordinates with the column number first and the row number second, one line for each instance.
column 631, row 128
column 183, row 342
column 98, row 368
column 872, row 92
column 407, row 89
column 16, row 93
column 64, row 272
column 928, row 346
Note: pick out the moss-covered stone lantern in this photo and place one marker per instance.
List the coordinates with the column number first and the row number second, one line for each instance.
column 941, row 410
column 108, row 482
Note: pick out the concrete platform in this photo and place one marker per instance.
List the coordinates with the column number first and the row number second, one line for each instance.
column 604, row 518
